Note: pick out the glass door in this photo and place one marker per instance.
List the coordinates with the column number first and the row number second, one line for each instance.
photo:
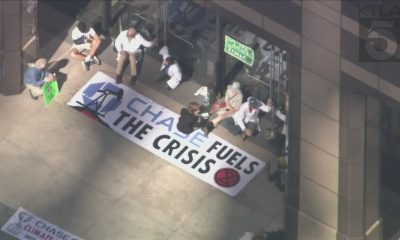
column 191, row 37
column 267, row 77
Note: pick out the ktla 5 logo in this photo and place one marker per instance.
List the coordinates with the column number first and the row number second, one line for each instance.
column 379, row 37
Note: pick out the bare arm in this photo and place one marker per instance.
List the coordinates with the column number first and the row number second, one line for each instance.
column 95, row 44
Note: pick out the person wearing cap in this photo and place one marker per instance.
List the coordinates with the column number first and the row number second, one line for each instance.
column 246, row 120
column 35, row 76
column 170, row 70
column 127, row 44
column 85, row 38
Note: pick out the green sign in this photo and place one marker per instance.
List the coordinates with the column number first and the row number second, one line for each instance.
column 239, row 51
column 50, row 91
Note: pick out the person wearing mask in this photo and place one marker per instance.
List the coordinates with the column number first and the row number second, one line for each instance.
column 231, row 103
column 85, row 39
column 127, row 44
column 169, row 71
column 35, row 76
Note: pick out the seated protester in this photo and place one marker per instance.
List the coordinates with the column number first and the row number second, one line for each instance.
column 278, row 175
column 35, row 76
column 85, row 39
column 246, row 120
column 169, row 71
column 128, row 44
column 190, row 120
column 232, row 101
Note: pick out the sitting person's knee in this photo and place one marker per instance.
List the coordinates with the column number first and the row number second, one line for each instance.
column 74, row 53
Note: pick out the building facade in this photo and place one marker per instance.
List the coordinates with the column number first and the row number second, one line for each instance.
column 18, row 42
column 315, row 59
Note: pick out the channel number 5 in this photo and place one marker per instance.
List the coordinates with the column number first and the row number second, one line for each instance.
column 381, row 31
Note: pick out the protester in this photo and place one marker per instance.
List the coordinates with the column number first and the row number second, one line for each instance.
column 278, row 175
column 191, row 120
column 127, row 44
column 231, row 102
column 35, row 76
column 84, row 39
column 169, row 71
column 246, row 120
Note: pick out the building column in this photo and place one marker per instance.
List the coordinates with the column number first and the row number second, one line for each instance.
column 336, row 176
column 312, row 206
column 10, row 47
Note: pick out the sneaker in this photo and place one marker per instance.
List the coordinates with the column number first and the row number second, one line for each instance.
column 32, row 96
column 86, row 65
column 205, row 130
column 244, row 137
column 118, row 78
column 133, row 80
column 205, row 115
column 95, row 60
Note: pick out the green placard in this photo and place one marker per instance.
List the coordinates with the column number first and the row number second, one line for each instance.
column 50, row 91
column 239, row 51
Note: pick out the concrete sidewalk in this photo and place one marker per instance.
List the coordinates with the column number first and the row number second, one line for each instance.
column 91, row 181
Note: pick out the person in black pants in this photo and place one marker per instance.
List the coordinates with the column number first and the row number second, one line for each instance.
column 190, row 120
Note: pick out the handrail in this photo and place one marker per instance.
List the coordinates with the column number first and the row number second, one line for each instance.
column 258, row 80
column 31, row 40
column 144, row 18
column 181, row 38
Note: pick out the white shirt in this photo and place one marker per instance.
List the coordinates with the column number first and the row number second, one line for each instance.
column 174, row 71
column 78, row 35
column 131, row 46
column 281, row 116
column 243, row 115
column 175, row 74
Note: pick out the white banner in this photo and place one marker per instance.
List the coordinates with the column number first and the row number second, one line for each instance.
column 153, row 127
column 26, row 226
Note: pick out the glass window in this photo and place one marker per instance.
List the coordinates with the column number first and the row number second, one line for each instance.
column 92, row 13
column 139, row 14
column 389, row 171
column 268, row 77
column 192, row 37
column 187, row 28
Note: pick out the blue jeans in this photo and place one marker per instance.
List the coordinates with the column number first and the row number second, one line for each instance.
column 230, row 125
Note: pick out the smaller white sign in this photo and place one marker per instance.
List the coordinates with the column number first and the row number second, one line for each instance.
column 26, row 226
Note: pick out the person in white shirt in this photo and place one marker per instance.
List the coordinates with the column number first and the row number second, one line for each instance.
column 85, row 39
column 246, row 120
column 127, row 44
column 169, row 70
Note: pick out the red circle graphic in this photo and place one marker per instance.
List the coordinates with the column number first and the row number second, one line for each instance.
column 227, row 177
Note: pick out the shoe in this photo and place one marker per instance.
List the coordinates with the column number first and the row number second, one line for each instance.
column 244, row 137
column 205, row 115
column 118, row 78
column 133, row 80
column 32, row 96
column 95, row 60
column 205, row 130
column 86, row 65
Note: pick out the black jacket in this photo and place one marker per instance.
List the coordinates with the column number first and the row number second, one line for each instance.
column 188, row 122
